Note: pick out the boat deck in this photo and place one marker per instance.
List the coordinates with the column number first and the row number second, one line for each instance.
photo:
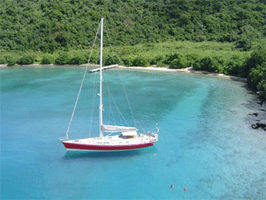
column 114, row 140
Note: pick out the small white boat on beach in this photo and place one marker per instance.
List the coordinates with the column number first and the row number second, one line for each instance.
column 125, row 138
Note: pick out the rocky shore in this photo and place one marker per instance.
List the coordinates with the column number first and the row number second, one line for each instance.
column 258, row 118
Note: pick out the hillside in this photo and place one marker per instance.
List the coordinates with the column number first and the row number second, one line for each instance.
column 64, row 24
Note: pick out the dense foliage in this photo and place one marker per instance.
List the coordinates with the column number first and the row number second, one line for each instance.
column 63, row 24
column 175, row 61
column 256, row 69
column 62, row 59
column 253, row 68
column 26, row 60
column 47, row 59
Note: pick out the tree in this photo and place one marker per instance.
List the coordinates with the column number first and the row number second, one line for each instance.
column 257, row 58
column 109, row 60
column 62, row 59
column 140, row 61
column 243, row 43
column 11, row 61
column 178, row 63
column 26, row 60
column 255, row 77
column 47, row 59
column 57, row 25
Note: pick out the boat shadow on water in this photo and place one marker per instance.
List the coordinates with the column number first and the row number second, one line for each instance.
column 69, row 155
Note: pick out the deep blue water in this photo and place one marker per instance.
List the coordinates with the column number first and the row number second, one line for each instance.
column 205, row 143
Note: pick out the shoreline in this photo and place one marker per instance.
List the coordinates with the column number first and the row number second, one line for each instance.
column 185, row 70
column 150, row 68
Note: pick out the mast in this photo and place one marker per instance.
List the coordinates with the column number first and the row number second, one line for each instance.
column 101, row 85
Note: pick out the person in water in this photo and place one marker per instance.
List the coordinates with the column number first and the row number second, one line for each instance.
column 172, row 187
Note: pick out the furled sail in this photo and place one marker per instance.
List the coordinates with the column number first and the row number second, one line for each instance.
column 111, row 128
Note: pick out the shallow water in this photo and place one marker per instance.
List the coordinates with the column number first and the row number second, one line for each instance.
column 205, row 143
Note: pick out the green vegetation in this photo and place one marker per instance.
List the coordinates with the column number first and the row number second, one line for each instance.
column 255, row 67
column 78, row 59
column 211, row 64
column 161, row 54
column 234, row 66
column 62, row 59
column 65, row 24
column 175, row 61
column 10, row 61
column 26, row 60
column 109, row 60
column 140, row 61
column 47, row 59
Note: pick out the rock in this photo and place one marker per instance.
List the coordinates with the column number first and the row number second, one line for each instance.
column 255, row 114
column 260, row 102
column 259, row 125
column 255, row 126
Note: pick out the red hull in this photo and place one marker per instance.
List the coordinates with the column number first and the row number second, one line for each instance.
column 72, row 146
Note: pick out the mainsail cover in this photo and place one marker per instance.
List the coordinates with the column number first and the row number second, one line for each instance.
column 111, row 128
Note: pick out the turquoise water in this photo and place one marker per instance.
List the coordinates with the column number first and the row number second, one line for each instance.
column 205, row 143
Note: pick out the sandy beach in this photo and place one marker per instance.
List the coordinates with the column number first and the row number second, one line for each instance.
column 185, row 70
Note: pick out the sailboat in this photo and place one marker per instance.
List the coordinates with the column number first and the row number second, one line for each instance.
column 127, row 138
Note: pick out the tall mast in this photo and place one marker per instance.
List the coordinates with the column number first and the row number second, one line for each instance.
column 101, row 79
